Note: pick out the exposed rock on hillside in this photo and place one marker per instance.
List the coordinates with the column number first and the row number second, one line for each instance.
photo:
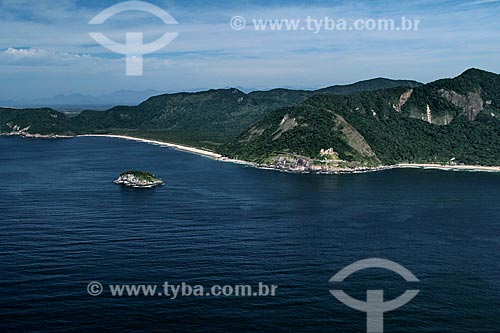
column 471, row 104
column 403, row 99
column 286, row 124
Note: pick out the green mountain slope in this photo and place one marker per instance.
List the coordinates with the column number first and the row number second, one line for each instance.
column 454, row 119
column 368, row 85
column 469, row 94
column 204, row 119
column 369, row 123
column 40, row 121
column 201, row 119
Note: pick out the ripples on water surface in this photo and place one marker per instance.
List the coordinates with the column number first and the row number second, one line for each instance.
column 63, row 223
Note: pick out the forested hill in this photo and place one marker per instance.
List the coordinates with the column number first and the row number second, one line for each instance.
column 447, row 120
column 371, row 122
column 203, row 119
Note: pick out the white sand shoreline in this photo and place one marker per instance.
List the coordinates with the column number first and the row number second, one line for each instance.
column 183, row 148
column 448, row 167
column 219, row 157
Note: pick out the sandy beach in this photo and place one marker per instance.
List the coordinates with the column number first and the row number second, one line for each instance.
column 187, row 149
column 219, row 157
column 450, row 167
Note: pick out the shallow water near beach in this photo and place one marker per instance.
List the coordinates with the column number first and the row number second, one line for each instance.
column 63, row 224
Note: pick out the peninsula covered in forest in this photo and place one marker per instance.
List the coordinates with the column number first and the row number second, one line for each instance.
column 368, row 125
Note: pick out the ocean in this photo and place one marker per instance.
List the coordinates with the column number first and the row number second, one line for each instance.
column 64, row 224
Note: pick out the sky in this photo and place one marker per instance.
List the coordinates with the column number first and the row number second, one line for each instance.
column 46, row 49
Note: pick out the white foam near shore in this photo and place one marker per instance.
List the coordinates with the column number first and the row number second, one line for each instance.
column 219, row 157
column 449, row 167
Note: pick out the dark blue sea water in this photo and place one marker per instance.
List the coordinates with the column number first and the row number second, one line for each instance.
column 63, row 224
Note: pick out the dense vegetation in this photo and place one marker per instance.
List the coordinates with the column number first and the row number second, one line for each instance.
column 403, row 139
column 393, row 136
column 142, row 175
column 365, row 122
column 368, row 85
column 41, row 121
column 205, row 119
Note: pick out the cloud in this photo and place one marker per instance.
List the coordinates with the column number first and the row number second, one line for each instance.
column 50, row 39
column 484, row 2
column 36, row 56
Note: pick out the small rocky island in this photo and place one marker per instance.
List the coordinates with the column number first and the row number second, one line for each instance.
column 139, row 179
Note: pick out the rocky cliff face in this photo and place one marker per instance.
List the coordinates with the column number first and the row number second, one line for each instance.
column 402, row 100
column 286, row 125
column 471, row 104
column 442, row 101
column 302, row 164
column 354, row 139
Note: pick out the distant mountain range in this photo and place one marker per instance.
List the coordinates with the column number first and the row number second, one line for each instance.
column 80, row 101
column 372, row 122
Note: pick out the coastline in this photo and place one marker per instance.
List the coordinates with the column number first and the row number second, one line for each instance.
column 221, row 158
column 430, row 166
column 37, row 136
column 183, row 148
